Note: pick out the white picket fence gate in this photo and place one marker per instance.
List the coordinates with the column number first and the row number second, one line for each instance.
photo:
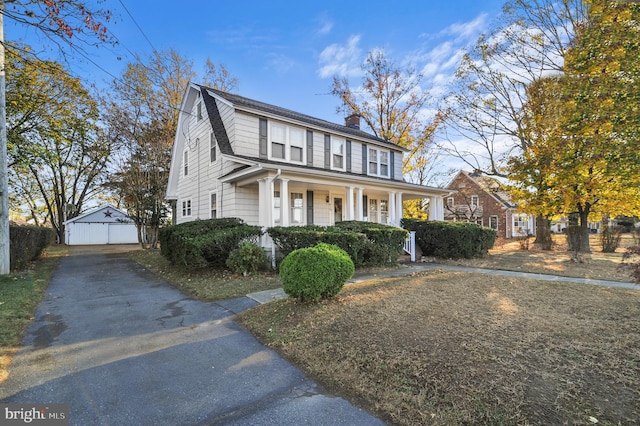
column 410, row 245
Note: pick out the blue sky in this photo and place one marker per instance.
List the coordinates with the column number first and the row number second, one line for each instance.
column 286, row 53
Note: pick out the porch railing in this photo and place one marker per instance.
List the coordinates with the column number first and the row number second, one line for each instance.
column 410, row 245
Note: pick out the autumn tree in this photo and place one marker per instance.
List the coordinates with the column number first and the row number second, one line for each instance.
column 392, row 103
column 142, row 116
column 219, row 77
column 583, row 158
column 486, row 121
column 68, row 24
column 56, row 151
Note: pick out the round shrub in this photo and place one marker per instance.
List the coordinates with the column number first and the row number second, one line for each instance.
column 316, row 272
column 246, row 259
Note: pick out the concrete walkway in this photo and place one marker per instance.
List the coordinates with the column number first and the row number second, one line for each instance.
column 122, row 347
column 270, row 295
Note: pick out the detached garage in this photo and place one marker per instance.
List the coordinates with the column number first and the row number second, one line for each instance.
column 104, row 225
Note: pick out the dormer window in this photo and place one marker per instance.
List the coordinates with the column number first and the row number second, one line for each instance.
column 286, row 143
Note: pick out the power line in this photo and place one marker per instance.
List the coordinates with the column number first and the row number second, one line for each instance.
column 139, row 28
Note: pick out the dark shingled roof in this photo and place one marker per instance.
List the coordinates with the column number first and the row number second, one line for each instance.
column 216, row 122
column 241, row 101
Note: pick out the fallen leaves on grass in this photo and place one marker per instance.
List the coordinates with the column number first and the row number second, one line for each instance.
column 456, row 348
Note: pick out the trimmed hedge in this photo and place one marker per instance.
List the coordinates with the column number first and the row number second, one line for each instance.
column 289, row 239
column 203, row 243
column 452, row 240
column 314, row 273
column 384, row 243
column 366, row 243
column 26, row 243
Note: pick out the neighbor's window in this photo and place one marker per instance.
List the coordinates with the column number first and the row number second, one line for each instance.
column 186, row 208
column 474, row 201
column 520, row 223
column 449, row 201
column 337, row 154
column 493, row 222
column 214, row 205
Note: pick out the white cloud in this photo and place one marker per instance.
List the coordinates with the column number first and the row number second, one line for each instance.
column 325, row 25
column 466, row 31
column 342, row 60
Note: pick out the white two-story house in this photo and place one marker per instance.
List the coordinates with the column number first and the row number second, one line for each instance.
column 237, row 157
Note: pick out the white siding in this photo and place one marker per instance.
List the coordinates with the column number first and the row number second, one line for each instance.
column 397, row 156
column 243, row 203
column 247, row 135
column 356, row 157
column 318, row 149
column 321, row 209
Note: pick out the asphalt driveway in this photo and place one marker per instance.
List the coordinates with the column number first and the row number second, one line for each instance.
column 122, row 347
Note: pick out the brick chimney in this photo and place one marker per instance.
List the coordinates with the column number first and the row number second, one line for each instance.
column 352, row 121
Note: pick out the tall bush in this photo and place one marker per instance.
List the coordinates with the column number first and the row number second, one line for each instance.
column 27, row 243
column 610, row 237
column 205, row 243
column 451, row 239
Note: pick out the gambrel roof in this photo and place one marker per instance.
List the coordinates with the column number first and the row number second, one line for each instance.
column 240, row 102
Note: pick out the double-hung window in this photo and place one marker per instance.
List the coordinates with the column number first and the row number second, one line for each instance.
column 296, row 142
column 287, row 143
column 278, row 141
column 337, row 154
column 213, row 148
column 378, row 162
column 474, row 201
column 186, row 208
column 186, row 163
column 213, row 205
column 297, row 208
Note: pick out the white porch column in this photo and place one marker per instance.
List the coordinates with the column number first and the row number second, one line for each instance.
column 284, row 202
column 264, row 203
column 359, row 206
column 399, row 209
column 436, row 208
column 392, row 208
column 349, row 202
column 266, row 209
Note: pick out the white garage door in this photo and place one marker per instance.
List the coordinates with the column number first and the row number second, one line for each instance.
column 88, row 233
column 122, row 233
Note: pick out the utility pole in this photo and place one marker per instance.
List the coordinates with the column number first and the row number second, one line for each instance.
column 4, row 177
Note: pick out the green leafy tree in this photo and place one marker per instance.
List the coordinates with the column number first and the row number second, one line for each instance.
column 56, row 152
column 583, row 125
column 142, row 116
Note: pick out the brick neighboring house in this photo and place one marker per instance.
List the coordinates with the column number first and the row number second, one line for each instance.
column 484, row 201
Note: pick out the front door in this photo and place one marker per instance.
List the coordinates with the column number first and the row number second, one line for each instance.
column 337, row 210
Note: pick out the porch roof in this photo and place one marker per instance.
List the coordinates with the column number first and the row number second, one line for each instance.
column 252, row 169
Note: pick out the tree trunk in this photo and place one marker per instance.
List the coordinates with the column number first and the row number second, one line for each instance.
column 543, row 233
column 584, row 231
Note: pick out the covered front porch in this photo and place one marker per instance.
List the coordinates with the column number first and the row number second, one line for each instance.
column 298, row 198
